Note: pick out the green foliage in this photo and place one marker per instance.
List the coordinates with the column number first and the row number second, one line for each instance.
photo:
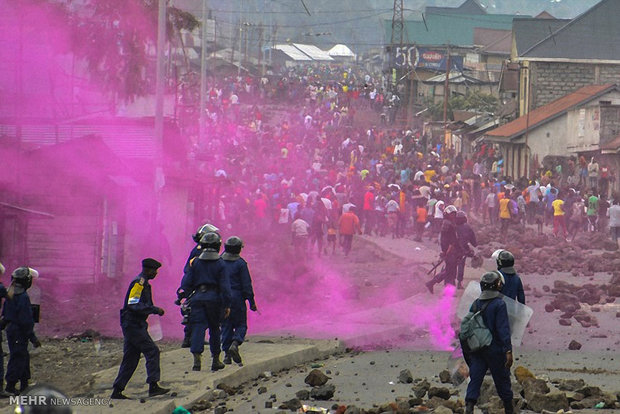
column 474, row 101
column 116, row 39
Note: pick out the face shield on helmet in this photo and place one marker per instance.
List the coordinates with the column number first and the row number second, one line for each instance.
column 204, row 229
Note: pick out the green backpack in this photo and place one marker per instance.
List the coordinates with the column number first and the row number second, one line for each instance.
column 474, row 334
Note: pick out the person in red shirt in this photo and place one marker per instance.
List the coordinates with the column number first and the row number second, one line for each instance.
column 368, row 210
column 348, row 225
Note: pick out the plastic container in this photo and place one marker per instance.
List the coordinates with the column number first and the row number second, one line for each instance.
column 155, row 328
column 518, row 314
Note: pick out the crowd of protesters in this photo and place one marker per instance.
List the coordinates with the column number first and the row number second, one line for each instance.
column 315, row 173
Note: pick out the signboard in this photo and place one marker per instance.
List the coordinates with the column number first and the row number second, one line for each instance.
column 414, row 57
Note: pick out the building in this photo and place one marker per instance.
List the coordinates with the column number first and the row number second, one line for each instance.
column 585, row 122
column 557, row 57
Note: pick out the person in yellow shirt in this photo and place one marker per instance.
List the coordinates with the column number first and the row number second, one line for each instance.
column 429, row 173
column 559, row 221
column 504, row 215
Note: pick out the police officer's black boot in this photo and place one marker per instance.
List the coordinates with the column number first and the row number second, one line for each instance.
column 155, row 389
column 469, row 407
column 227, row 359
column 234, row 352
column 23, row 384
column 217, row 364
column 118, row 395
column 508, row 407
column 3, row 393
column 10, row 388
column 197, row 362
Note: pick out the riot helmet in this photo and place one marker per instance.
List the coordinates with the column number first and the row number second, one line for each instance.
column 22, row 279
column 491, row 281
column 204, row 229
column 450, row 212
column 232, row 248
column 461, row 217
column 505, row 262
column 233, row 245
column 210, row 243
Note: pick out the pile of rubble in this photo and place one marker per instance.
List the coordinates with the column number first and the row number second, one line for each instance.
column 540, row 395
column 587, row 254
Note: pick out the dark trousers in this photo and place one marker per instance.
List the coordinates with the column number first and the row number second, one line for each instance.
column 205, row 315
column 18, row 368
column 347, row 241
column 235, row 327
column 1, row 360
column 448, row 273
column 136, row 341
column 460, row 269
column 478, row 363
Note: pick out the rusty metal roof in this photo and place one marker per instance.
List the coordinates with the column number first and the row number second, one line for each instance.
column 550, row 111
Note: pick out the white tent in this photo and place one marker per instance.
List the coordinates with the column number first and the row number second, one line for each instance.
column 341, row 50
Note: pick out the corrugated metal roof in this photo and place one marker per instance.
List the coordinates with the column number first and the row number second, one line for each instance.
column 314, row 52
column 592, row 35
column 550, row 111
column 527, row 32
column 452, row 29
column 493, row 40
column 292, row 52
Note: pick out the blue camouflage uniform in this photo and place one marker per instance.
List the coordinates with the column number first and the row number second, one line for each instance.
column 137, row 307
column 236, row 326
column 17, row 314
column 211, row 286
column 493, row 357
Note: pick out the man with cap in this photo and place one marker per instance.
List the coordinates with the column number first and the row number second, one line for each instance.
column 235, row 327
column 497, row 357
column 137, row 307
column 513, row 287
column 211, row 299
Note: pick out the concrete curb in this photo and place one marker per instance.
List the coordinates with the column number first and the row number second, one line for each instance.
column 261, row 354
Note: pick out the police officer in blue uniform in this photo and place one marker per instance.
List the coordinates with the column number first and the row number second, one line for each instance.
column 19, row 320
column 208, row 282
column 235, row 327
column 513, row 286
column 137, row 307
column 497, row 357
column 3, row 292
column 451, row 249
column 186, row 305
column 467, row 237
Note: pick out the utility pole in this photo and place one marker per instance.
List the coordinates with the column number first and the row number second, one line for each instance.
column 396, row 39
column 203, row 76
column 446, row 94
column 160, row 76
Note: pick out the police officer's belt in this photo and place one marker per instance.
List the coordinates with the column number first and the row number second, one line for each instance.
column 206, row 288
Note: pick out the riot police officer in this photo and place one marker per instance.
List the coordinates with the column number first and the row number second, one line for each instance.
column 451, row 250
column 467, row 238
column 513, row 286
column 19, row 320
column 497, row 357
column 186, row 305
column 207, row 280
column 137, row 307
column 235, row 327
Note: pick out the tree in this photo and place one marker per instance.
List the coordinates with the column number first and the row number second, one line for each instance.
column 475, row 101
column 117, row 38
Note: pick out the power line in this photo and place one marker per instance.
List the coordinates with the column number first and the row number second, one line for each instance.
column 313, row 24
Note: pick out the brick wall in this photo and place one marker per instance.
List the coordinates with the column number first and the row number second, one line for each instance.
column 552, row 80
